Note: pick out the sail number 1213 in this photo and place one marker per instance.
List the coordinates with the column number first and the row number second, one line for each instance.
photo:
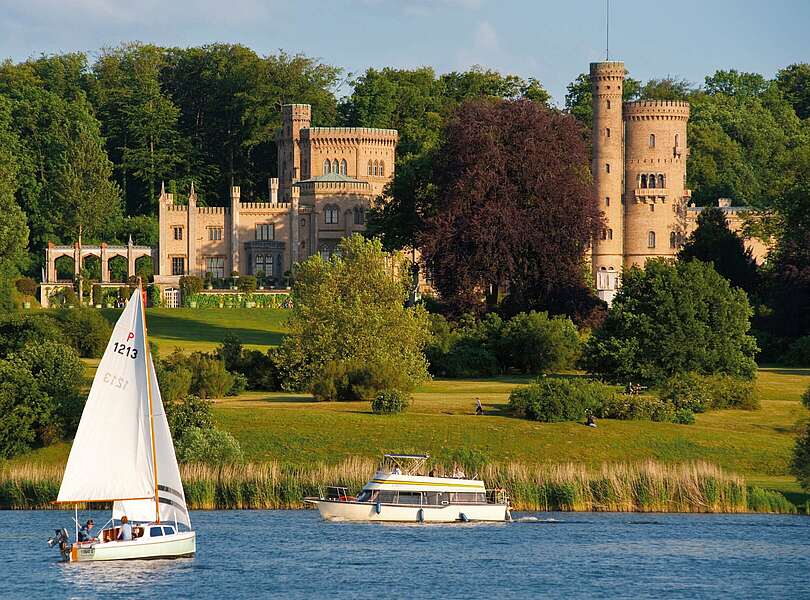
column 125, row 350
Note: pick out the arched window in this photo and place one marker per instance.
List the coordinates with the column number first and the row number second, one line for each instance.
column 651, row 181
column 331, row 215
column 327, row 166
column 343, row 167
column 652, row 140
column 673, row 240
column 644, row 181
column 382, row 169
column 369, row 167
column 607, row 132
column 661, row 181
column 651, row 239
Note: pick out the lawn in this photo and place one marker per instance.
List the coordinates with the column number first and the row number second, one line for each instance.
column 202, row 329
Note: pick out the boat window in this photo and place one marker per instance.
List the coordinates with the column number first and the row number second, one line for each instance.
column 410, row 498
column 155, row 531
column 168, row 530
column 386, row 496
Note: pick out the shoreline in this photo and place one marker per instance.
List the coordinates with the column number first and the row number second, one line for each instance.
column 644, row 487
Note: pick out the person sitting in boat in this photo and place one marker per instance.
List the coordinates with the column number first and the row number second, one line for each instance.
column 85, row 533
column 126, row 530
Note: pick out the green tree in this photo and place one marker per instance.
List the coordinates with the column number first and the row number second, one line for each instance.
column 350, row 309
column 714, row 242
column 671, row 318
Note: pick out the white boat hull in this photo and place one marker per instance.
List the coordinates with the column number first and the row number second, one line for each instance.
column 398, row 513
column 182, row 544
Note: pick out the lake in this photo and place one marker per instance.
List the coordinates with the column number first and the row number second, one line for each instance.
column 293, row 554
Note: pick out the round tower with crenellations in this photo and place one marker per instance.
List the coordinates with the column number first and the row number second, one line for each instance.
column 655, row 193
column 607, row 79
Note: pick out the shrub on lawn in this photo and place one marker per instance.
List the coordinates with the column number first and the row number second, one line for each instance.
column 26, row 286
column 700, row 393
column 798, row 353
column 554, row 400
column 85, row 330
column 389, row 402
column 628, row 407
column 534, row 343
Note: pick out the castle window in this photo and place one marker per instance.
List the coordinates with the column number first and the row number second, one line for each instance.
column 216, row 266
column 369, row 167
column 607, row 132
column 651, row 181
column 607, row 167
column 178, row 265
column 178, row 232
column 265, row 231
column 327, row 166
column 263, row 263
column 607, row 201
column 382, row 169
column 359, row 215
column 661, row 181
column 673, row 240
column 651, row 239
column 214, row 233
column 343, row 167
column 643, row 181
column 652, row 140
column 331, row 215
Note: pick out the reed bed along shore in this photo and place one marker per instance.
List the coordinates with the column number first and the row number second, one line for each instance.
column 648, row 486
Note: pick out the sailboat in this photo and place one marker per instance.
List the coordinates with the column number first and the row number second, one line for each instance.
column 123, row 454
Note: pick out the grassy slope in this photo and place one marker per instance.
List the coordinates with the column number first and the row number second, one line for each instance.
column 292, row 427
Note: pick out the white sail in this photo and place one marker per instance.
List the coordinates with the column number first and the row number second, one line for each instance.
column 172, row 500
column 111, row 456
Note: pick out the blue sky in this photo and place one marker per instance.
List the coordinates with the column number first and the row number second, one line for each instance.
column 551, row 40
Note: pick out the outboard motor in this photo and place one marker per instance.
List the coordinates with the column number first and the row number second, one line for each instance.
column 60, row 539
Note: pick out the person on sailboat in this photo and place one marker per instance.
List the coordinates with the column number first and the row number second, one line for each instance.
column 126, row 530
column 85, row 533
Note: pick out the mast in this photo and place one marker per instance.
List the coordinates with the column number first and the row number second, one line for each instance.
column 147, row 356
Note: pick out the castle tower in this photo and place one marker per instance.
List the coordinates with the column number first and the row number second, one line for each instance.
column 294, row 118
column 607, row 79
column 655, row 193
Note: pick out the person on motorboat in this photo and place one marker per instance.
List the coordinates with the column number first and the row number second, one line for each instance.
column 126, row 530
column 85, row 533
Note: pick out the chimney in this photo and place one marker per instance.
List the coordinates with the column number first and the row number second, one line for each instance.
column 273, row 184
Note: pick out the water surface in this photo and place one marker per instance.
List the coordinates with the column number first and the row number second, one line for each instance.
column 293, row 554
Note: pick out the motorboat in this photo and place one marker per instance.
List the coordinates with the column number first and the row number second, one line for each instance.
column 399, row 491
column 123, row 455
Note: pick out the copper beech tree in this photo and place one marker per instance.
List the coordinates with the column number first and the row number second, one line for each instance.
column 512, row 210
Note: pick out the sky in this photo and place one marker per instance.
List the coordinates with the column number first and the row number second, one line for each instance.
column 552, row 41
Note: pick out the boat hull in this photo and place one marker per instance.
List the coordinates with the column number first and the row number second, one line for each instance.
column 398, row 513
column 178, row 545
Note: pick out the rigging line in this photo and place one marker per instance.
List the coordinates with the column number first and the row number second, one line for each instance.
column 147, row 355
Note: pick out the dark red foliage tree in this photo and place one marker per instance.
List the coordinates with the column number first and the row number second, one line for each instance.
column 512, row 210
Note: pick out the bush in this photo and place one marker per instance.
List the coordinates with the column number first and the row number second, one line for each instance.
column 208, row 445
column 349, row 382
column 798, row 353
column 389, row 402
column 554, row 400
column 60, row 374
column 188, row 413
column 247, row 284
column 190, row 285
column 85, row 330
column 700, row 393
column 628, row 407
column 534, row 343
column 26, row 286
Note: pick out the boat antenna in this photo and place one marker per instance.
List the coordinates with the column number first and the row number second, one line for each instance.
column 147, row 357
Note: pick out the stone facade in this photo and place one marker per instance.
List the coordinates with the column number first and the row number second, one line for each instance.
column 328, row 177
column 639, row 170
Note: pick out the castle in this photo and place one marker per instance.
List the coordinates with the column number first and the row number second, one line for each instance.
column 639, row 172
column 328, row 177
